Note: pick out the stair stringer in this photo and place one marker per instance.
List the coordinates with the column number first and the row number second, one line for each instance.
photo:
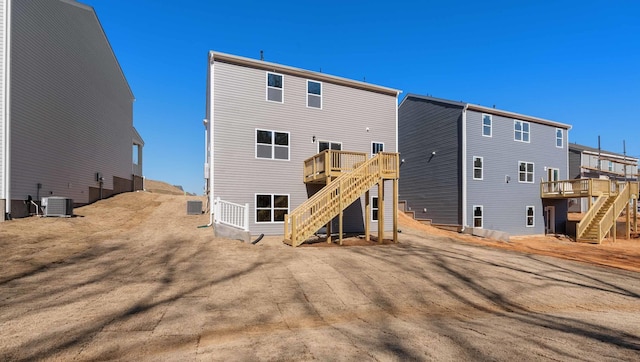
column 332, row 199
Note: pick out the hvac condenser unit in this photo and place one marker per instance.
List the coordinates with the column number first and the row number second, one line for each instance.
column 57, row 206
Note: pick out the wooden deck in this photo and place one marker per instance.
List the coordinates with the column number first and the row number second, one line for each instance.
column 582, row 188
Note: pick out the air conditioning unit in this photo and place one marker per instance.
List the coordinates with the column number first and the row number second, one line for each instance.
column 194, row 207
column 57, row 206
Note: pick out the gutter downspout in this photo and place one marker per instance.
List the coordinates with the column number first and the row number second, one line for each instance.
column 7, row 111
column 464, row 168
column 210, row 138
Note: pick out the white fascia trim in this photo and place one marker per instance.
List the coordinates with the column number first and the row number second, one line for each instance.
column 210, row 138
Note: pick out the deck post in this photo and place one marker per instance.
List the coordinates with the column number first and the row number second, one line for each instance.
column 395, row 210
column 381, row 210
column 628, row 224
column 340, row 216
column 294, row 236
column 367, row 215
column 328, row 227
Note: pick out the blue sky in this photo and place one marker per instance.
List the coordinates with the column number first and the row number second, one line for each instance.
column 575, row 62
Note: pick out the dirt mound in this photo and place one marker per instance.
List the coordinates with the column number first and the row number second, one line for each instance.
column 160, row 187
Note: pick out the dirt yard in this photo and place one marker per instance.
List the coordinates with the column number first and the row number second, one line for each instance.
column 135, row 277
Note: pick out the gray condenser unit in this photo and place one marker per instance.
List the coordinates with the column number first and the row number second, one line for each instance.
column 57, row 206
column 194, row 207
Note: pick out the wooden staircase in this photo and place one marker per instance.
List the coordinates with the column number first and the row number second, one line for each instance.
column 602, row 216
column 336, row 196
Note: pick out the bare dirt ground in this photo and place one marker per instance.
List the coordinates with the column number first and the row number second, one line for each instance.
column 134, row 277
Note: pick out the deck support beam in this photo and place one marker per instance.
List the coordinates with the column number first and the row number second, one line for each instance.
column 381, row 211
column 367, row 215
column 395, row 210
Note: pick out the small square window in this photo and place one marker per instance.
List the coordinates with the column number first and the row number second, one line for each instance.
column 525, row 172
column 314, row 94
column 275, row 87
column 271, row 208
column 272, row 145
column 374, row 209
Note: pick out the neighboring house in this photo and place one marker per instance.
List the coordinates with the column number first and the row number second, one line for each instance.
column 588, row 162
column 468, row 166
column 263, row 120
column 66, row 109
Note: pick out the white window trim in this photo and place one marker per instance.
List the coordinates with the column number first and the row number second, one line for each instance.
column 374, row 142
column 377, row 208
column 329, row 142
column 610, row 166
column 266, row 95
column 255, row 145
column 522, row 131
column 473, row 216
column 490, row 125
column 316, row 95
column 526, row 216
column 473, row 167
column 255, row 207
column 533, row 174
column 561, row 138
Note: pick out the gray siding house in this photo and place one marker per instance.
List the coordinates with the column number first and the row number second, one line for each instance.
column 590, row 162
column 263, row 120
column 66, row 109
column 468, row 166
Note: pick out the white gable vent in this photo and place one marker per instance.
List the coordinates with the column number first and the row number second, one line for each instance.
column 57, row 206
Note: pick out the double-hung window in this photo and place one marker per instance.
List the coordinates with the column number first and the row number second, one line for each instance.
column 521, row 131
column 477, row 168
column 531, row 215
column 374, row 209
column 271, row 207
column 486, row 125
column 559, row 138
column 328, row 145
column 314, row 94
column 275, row 87
column 272, row 145
column 477, row 216
column 525, row 172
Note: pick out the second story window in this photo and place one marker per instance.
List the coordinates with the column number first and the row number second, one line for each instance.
column 275, row 87
column 521, row 131
column 525, row 172
column 559, row 138
column 272, row 145
column 486, row 125
column 314, row 94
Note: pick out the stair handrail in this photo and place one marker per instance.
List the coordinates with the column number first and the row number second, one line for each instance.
column 329, row 201
column 590, row 215
column 609, row 219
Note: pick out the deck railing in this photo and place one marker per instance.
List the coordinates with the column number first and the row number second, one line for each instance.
column 579, row 188
column 609, row 219
column 228, row 213
column 583, row 225
column 331, row 163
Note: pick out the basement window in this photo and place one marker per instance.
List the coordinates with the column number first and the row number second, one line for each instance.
column 530, row 216
column 477, row 216
column 374, row 208
column 271, row 208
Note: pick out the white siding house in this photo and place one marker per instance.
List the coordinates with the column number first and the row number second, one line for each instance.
column 66, row 109
column 264, row 119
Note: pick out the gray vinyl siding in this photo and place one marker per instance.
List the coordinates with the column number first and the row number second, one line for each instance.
column 504, row 204
column 240, row 107
column 71, row 105
column 426, row 182
column 575, row 170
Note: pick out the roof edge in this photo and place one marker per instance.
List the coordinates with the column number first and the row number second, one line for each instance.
column 285, row 69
